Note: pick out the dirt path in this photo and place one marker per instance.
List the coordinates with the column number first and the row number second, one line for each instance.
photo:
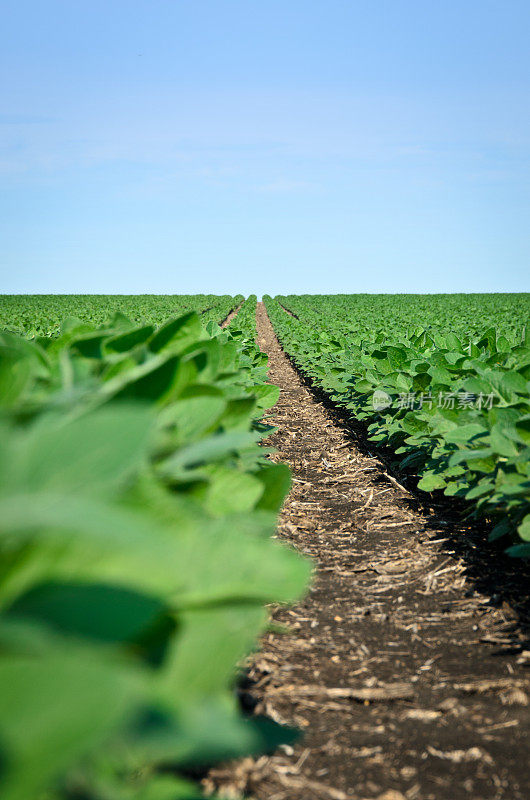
column 384, row 666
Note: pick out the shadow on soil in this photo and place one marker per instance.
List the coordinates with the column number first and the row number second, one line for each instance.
column 504, row 580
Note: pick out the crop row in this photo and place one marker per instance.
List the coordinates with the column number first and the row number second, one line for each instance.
column 136, row 513
column 244, row 322
column 451, row 402
column 396, row 315
column 43, row 315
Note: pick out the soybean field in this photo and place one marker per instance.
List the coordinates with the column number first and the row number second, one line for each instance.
column 257, row 550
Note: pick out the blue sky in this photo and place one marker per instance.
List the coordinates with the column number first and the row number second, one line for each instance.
column 264, row 146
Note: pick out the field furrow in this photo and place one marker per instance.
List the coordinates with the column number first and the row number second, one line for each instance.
column 405, row 665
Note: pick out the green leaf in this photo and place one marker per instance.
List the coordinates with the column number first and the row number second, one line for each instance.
column 197, row 410
column 523, row 429
column 76, row 536
column 15, row 375
column 212, row 641
column 266, row 572
column 276, row 479
column 519, row 551
column 430, row 482
column 93, row 451
column 96, row 612
column 480, row 490
column 23, row 348
column 501, row 529
column 213, row 448
column 362, row 386
column 126, row 341
column 231, row 491
column 452, row 342
column 440, row 376
column 207, row 730
column 56, row 710
column 507, row 384
column 500, row 443
column 238, row 413
column 156, row 381
column 470, row 456
column 177, row 333
column 166, row 787
column 266, row 395
column 90, row 345
column 120, row 321
column 465, row 433
column 524, row 528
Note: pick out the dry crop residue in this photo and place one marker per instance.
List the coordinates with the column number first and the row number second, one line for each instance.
column 406, row 682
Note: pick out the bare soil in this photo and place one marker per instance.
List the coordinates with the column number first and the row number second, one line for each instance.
column 406, row 666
